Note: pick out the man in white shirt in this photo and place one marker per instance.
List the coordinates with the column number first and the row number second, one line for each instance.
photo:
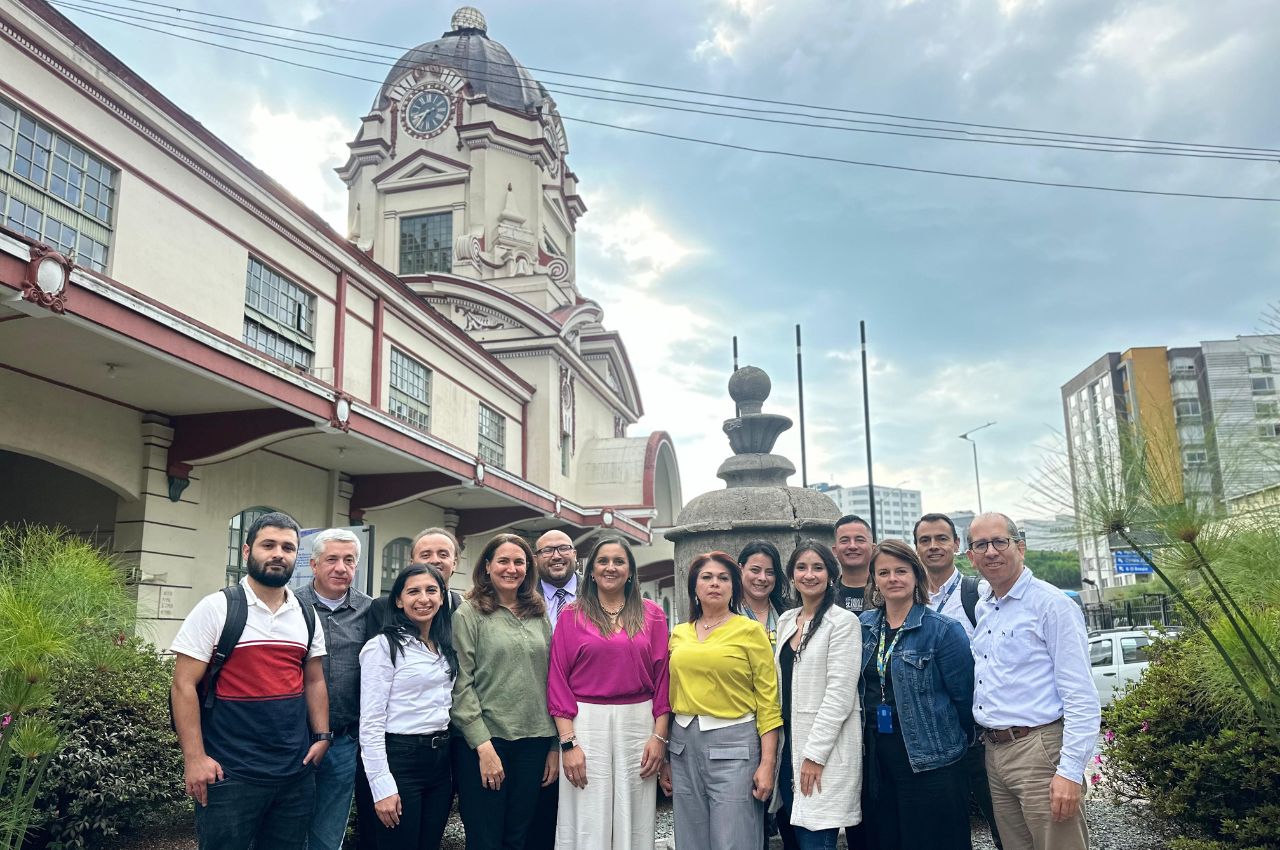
column 1033, row 695
column 557, row 562
column 250, row 757
column 956, row 596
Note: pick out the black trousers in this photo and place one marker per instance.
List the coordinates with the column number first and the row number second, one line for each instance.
column 502, row 819
column 975, row 765
column 542, row 833
column 423, row 780
column 899, row 824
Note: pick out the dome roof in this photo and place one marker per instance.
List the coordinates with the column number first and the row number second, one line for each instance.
column 486, row 64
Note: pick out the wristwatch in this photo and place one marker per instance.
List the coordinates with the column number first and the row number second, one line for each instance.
column 317, row 737
column 568, row 744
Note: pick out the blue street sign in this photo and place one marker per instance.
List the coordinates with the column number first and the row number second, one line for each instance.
column 1128, row 561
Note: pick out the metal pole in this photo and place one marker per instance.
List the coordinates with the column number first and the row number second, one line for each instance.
column 977, row 479
column 737, row 411
column 866, row 421
column 804, row 466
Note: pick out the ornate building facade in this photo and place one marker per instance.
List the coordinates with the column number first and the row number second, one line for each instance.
column 184, row 345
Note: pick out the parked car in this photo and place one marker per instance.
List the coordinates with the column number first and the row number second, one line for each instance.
column 1118, row 657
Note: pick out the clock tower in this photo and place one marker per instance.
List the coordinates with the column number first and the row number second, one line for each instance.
column 459, row 170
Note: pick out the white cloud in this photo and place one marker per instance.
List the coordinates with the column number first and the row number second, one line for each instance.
column 626, row 254
column 730, row 26
column 300, row 151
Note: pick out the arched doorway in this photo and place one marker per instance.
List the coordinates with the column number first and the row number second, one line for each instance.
column 37, row 491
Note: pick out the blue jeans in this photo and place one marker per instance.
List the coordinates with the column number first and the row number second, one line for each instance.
column 241, row 814
column 817, row 839
column 335, row 783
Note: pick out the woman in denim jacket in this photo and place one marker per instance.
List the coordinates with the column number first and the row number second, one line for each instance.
column 917, row 673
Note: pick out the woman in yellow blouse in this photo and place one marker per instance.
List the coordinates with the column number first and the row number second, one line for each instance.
column 724, row 694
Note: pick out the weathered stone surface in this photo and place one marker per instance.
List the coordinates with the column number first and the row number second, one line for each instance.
column 757, row 503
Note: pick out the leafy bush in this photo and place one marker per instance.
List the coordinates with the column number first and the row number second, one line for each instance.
column 1182, row 746
column 119, row 767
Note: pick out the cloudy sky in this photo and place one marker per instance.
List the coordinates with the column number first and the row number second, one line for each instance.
column 981, row 298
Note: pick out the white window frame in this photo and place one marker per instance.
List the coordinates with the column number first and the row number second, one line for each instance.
column 492, row 437
column 410, row 399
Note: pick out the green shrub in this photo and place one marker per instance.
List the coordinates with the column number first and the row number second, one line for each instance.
column 119, row 768
column 1184, row 750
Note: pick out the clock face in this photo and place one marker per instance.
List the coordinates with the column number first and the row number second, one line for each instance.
column 427, row 113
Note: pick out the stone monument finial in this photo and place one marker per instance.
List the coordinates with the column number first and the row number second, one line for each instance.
column 749, row 387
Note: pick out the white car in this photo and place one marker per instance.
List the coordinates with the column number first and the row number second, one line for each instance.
column 1118, row 657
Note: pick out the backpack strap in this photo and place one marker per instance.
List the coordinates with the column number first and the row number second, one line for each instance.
column 232, row 628
column 969, row 597
column 308, row 614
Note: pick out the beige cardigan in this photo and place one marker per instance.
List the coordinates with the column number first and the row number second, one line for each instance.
column 826, row 719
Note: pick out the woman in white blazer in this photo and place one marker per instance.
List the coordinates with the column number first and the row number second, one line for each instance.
column 819, row 786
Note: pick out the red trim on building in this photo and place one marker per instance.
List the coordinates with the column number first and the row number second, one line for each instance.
column 375, row 387
column 340, row 331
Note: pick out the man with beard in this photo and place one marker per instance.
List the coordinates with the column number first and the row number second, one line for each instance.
column 557, row 562
column 340, row 609
column 853, row 551
column 250, row 755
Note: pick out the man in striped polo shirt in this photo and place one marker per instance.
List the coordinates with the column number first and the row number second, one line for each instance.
column 250, row 757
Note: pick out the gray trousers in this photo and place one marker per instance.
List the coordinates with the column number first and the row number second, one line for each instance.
column 711, row 784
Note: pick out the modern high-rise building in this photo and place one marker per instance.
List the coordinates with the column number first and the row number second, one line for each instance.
column 896, row 509
column 1206, row 415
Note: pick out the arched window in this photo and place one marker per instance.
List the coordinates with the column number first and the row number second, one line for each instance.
column 236, row 538
column 395, row 557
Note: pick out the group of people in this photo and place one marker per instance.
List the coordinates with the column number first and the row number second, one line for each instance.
column 858, row 687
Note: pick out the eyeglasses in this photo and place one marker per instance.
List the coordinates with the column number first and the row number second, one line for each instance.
column 548, row 551
column 1000, row 544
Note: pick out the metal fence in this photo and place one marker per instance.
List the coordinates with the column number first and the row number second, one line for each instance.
column 1150, row 610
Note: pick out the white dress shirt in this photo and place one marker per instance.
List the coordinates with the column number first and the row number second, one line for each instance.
column 953, row 605
column 1031, row 667
column 411, row 698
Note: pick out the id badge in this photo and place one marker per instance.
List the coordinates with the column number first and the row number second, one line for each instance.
column 884, row 719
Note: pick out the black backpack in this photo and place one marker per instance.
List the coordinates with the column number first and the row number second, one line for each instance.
column 969, row 598
column 232, row 628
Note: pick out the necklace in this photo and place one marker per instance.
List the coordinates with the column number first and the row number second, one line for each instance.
column 709, row 626
column 612, row 613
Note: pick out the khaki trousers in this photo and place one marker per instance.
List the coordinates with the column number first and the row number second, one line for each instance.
column 1019, row 774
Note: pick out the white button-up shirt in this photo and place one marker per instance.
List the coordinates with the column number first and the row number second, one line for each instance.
column 952, row 604
column 1031, row 667
column 411, row 698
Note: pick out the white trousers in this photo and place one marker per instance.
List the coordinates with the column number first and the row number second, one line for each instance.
column 617, row 809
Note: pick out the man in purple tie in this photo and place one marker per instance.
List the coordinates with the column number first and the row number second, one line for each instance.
column 557, row 562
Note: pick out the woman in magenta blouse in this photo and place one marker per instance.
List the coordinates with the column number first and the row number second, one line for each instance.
column 607, row 691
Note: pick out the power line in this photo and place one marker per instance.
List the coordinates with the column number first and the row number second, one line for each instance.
column 335, row 37
column 627, row 98
column 743, row 148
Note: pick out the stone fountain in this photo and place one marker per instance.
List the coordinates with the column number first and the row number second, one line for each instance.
column 757, row 503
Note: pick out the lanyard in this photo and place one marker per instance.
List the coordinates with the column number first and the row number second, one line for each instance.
column 955, row 582
column 882, row 656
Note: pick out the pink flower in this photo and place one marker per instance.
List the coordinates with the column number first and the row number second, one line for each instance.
column 1097, row 759
column 1146, row 727
column 1110, row 736
column 5, row 721
column 1095, row 779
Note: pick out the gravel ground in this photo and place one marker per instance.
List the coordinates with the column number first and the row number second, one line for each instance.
column 1111, row 827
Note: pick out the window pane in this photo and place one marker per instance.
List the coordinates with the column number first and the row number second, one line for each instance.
column 410, row 396
column 1100, row 653
column 395, row 557
column 25, row 219
column 273, row 344
column 61, row 236
column 426, row 243
column 493, row 428
column 33, row 151
column 1133, row 649
column 279, row 298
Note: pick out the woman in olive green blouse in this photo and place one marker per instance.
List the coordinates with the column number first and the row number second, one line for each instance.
column 500, row 698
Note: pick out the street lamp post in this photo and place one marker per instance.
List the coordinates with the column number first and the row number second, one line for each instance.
column 977, row 479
